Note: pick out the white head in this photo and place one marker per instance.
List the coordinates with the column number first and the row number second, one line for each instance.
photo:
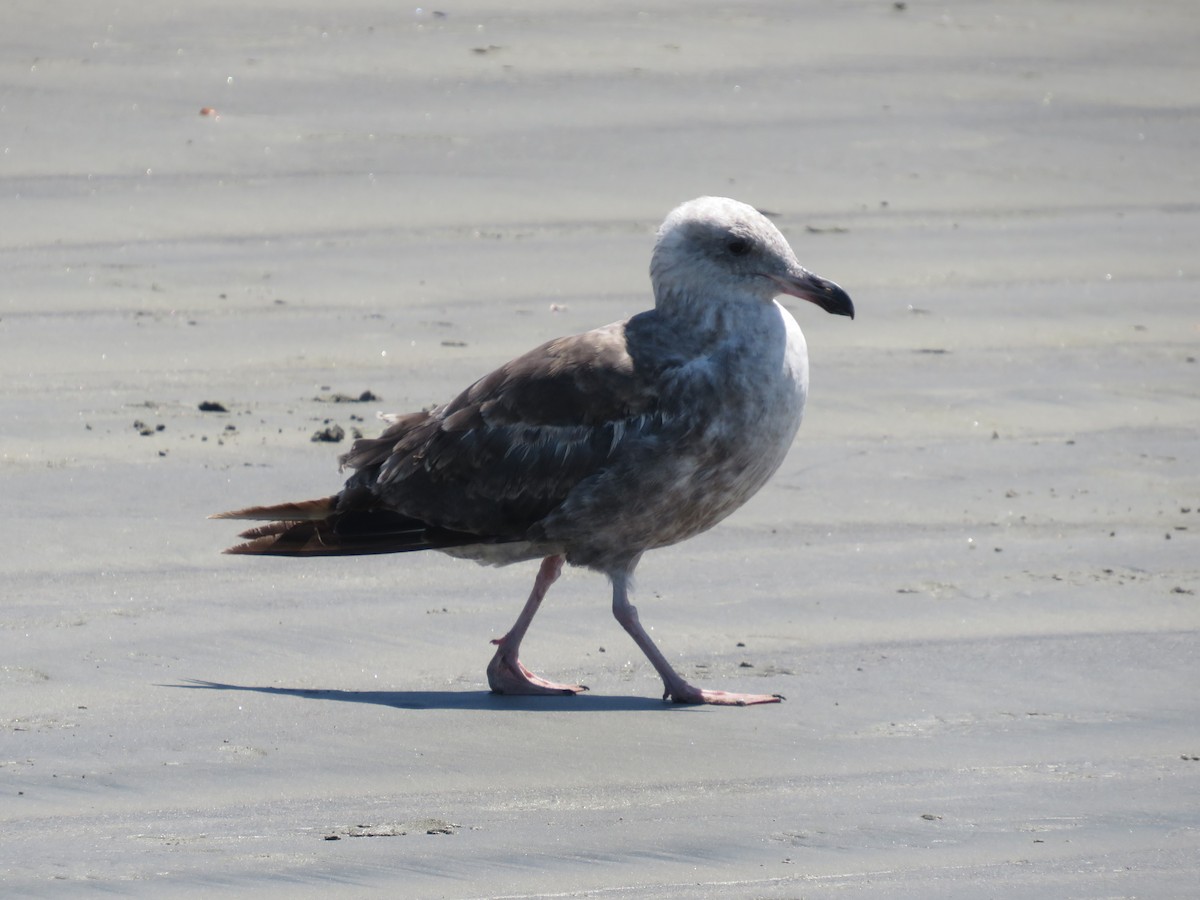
column 714, row 246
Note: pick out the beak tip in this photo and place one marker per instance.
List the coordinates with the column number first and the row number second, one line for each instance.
column 836, row 301
column 820, row 291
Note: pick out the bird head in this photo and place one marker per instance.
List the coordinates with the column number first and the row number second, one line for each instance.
column 714, row 246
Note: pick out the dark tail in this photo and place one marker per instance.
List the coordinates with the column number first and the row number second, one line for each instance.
column 320, row 528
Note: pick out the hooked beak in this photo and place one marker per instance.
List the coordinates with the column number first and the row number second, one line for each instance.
column 825, row 294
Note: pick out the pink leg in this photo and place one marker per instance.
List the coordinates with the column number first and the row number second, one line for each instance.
column 505, row 673
column 676, row 688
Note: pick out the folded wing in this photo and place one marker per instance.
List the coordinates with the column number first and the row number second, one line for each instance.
column 484, row 468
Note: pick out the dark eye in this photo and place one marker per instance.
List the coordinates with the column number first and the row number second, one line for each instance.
column 738, row 247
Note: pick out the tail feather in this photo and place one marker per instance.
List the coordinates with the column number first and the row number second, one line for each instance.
column 319, row 528
column 285, row 539
column 300, row 511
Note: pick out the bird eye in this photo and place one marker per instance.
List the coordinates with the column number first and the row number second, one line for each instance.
column 738, row 247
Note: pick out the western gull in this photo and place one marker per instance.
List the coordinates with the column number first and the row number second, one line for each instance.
column 594, row 448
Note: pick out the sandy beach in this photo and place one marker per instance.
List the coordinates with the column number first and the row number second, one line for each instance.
column 976, row 578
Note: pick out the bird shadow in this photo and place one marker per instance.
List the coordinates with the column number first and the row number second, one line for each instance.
column 476, row 700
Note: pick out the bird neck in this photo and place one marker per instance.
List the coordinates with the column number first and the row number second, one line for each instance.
column 700, row 315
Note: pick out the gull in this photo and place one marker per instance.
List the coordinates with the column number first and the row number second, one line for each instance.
column 594, row 448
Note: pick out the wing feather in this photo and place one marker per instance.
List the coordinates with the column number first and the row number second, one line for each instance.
column 488, row 466
column 509, row 449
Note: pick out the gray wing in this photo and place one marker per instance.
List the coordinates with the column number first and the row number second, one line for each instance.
column 508, row 450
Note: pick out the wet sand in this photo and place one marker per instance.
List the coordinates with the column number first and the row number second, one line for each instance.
column 975, row 579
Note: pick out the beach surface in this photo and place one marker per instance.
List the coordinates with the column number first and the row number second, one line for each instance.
column 976, row 578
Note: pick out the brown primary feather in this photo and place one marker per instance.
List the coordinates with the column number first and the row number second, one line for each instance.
column 355, row 533
column 303, row 510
